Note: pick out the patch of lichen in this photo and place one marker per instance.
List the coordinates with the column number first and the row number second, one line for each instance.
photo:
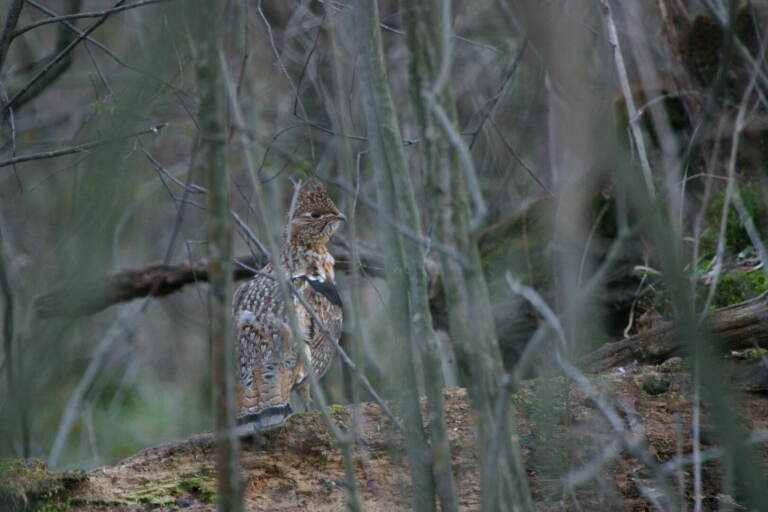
column 26, row 484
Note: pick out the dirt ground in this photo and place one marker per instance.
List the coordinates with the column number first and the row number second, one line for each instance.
column 298, row 467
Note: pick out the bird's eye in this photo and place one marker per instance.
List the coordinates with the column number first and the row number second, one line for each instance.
column 315, row 215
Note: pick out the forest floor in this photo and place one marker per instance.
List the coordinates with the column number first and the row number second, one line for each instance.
column 298, row 466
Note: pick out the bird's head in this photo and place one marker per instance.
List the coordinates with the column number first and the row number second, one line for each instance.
column 314, row 216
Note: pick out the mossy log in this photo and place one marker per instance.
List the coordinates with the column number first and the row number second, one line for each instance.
column 299, row 466
column 738, row 326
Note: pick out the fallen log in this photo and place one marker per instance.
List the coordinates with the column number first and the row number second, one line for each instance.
column 159, row 280
column 734, row 327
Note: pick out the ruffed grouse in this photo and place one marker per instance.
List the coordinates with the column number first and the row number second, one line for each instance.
column 269, row 365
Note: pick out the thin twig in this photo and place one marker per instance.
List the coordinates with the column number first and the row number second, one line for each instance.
column 125, row 326
column 494, row 101
column 79, row 15
column 12, row 124
column 519, row 160
column 679, row 462
column 111, row 54
column 629, row 100
column 739, row 125
column 494, row 49
column 342, row 353
column 403, row 230
column 63, row 53
column 9, row 342
column 632, row 443
column 696, row 438
column 467, row 163
column 11, row 19
column 80, row 148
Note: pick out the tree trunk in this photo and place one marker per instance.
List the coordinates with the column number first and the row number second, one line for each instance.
column 213, row 158
column 405, row 275
column 449, row 174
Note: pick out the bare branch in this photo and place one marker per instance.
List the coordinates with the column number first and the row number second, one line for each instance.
column 621, row 69
column 80, row 15
column 80, row 148
column 10, row 24
column 107, row 51
column 61, row 55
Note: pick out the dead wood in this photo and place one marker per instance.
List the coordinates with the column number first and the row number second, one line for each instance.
column 734, row 327
column 159, row 280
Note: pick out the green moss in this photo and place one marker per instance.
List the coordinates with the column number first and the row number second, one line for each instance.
column 164, row 492
column 522, row 398
column 308, row 418
column 97, row 503
column 160, row 493
column 337, row 412
column 738, row 287
column 55, row 506
column 201, row 485
column 27, row 484
column 314, row 419
column 736, row 236
column 604, row 377
column 755, row 353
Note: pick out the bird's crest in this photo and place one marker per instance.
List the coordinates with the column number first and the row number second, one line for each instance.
column 311, row 196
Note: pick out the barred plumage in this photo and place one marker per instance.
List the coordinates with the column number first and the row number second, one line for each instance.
column 268, row 364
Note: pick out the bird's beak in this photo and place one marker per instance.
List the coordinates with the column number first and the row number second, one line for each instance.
column 341, row 216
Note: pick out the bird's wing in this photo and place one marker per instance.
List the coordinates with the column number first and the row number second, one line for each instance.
column 267, row 360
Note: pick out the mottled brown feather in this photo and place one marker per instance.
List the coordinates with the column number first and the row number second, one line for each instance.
column 268, row 364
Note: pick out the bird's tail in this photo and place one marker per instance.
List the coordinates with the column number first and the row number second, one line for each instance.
column 266, row 419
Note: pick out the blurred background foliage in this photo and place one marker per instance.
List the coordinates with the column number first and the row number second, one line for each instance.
column 541, row 112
